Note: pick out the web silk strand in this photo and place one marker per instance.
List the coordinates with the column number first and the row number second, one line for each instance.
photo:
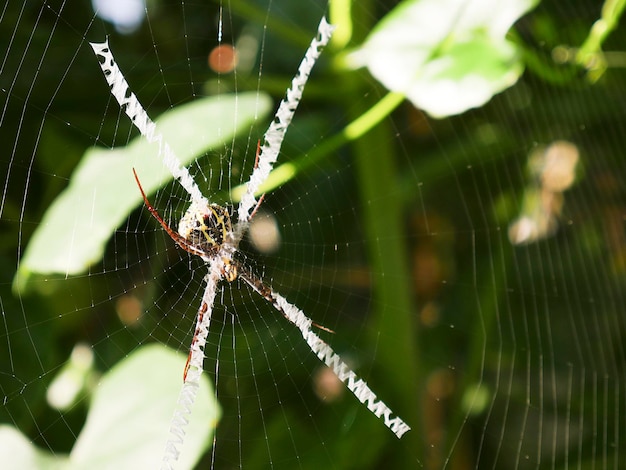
column 275, row 133
column 133, row 109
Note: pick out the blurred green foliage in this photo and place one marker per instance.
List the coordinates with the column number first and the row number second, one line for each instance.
column 498, row 355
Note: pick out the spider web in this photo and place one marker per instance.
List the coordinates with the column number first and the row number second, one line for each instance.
column 471, row 268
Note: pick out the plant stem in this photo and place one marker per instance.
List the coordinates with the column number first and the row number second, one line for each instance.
column 393, row 309
column 357, row 128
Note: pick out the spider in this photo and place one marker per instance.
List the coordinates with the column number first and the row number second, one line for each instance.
column 203, row 231
column 206, row 230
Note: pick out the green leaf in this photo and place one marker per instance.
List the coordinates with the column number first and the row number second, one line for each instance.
column 129, row 419
column 446, row 56
column 102, row 191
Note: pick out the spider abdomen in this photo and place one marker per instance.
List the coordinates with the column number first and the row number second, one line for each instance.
column 206, row 228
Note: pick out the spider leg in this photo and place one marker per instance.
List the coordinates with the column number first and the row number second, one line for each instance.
column 179, row 239
column 258, row 152
column 275, row 133
column 257, row 207
column 265, row 292
column 325, row 353
column 256, row 165
column 203, row 309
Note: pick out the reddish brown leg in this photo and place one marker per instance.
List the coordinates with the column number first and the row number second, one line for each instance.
column 201, row 313
column 180, row 241
column 256, row 165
